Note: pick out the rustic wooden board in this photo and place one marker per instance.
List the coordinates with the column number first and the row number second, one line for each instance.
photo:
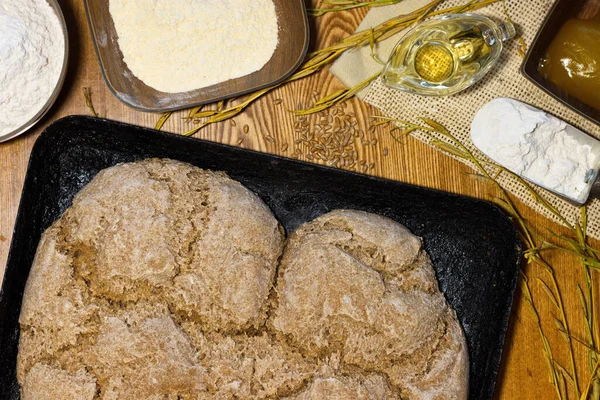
column 524, row 371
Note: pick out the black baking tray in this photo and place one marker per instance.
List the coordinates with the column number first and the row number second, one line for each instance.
column 474, row 246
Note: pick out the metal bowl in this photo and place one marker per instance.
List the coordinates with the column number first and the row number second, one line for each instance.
column 38, row 116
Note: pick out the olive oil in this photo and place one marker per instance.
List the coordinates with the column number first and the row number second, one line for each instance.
column 434, row 62
column 445, row 55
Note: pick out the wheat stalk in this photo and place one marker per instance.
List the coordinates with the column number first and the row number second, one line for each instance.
column 536, row 244
column 87, row 95
column 318, row 60
column 344, row 5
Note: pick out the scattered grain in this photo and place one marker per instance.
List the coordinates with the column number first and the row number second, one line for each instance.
column 386, row 151
column 240, row 141
column 232, row 122
column 330, row 136
column 284, row 147
column 246, row 129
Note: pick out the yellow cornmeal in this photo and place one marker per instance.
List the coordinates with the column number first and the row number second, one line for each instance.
column 182, row 45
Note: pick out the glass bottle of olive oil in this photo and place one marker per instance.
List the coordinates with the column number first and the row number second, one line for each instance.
column 447, row 54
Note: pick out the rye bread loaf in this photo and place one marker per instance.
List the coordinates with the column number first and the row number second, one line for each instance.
column 159, row 282
column 361, row 286
column 143, row 246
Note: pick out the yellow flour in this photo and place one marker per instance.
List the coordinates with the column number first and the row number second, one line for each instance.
column 181, row 45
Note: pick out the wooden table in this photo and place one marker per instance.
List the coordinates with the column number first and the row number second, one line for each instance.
column 524, row 373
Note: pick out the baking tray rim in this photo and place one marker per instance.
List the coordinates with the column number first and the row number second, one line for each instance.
column 512, row 289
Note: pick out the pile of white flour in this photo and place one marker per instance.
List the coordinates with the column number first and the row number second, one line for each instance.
column 181, row 45
column 537, row 146
column 32, row 50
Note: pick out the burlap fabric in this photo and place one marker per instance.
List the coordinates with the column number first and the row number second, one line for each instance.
column 456, row 112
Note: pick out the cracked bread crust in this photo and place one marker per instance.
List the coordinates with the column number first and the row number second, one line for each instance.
column 46, row 382
column 145, row 244
column 345, row 388
column 361, row 285
column 158, row 282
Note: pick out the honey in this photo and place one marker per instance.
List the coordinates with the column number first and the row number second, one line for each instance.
column 572, row 61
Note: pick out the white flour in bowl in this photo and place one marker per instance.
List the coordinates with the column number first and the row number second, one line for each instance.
column 181, row 45
column 32, row 50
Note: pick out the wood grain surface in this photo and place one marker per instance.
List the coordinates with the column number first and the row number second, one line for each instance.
column 271, row 129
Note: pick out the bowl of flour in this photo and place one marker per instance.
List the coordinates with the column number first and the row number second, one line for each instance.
column 162, row 56
column 33, row 62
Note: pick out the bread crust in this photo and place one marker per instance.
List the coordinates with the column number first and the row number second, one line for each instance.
column 160, row 282
column 143, row 246
column 361, row 286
